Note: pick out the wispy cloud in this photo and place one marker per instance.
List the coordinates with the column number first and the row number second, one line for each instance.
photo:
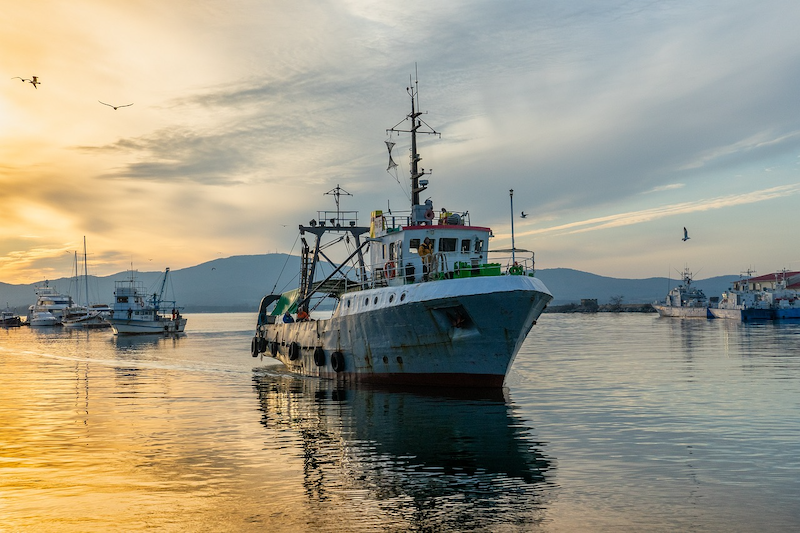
column 662, row 188
column 648, row 215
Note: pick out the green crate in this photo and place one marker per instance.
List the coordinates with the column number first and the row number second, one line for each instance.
column 462, row 270
column 490, row 269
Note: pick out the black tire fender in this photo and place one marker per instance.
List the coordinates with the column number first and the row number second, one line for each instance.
column 337, row 361
column 319, row 356
column 294, row 351
column 254, row 347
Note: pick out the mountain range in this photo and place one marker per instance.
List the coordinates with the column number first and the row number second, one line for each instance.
column 238, row 283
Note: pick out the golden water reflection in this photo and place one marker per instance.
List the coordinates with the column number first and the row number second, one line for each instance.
column 174, row 435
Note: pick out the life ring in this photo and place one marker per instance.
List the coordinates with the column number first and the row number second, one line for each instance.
column 294, row 351
column 390, row 269
column 429, row 214
column 515, row 270
column 254, row 347
column 337, row 361
column 319, row 356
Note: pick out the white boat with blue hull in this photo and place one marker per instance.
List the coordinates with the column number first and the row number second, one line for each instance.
column 137, row 313
column 758, row 298
column 424, row 307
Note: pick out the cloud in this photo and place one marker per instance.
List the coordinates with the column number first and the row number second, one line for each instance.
column 648, row 215
column 668, row 187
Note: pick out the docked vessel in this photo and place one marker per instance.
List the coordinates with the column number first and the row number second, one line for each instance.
column 684, row 301
column 417, row 300
column 135, row 312
column 49, row 307
column 9, row 319
column 84, row 316
column 760, row 298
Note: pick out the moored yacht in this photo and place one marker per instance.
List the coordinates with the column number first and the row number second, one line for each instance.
column 48, row 302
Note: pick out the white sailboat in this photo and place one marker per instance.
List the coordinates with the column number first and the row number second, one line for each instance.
column 83, row 316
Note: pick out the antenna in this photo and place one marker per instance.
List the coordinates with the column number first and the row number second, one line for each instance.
column 337, row 192
column 513, row 248
column 416, row 125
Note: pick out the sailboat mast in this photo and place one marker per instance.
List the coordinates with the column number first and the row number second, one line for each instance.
column 85, row 272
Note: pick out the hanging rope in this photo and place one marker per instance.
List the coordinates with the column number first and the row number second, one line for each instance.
column 284, row 265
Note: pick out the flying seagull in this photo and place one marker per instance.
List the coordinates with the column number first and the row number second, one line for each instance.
column 524, row 214
column 685, row 235
column 115, row 106
column 34, row 80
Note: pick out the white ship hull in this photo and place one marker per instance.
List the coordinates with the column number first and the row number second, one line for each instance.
column 144, row 327
column 85, row 321
column 456, row 333
column 43, row 319
column 673, row 311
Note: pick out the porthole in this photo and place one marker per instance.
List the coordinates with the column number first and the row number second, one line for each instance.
column 366, row 301
column 402, row 297
column 375, row 301
column 391, row 298
column 348, row 303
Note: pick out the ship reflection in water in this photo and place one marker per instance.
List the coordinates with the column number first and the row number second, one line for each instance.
column 405, row 460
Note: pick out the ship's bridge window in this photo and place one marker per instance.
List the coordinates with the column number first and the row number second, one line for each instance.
column 447, row 244
column 478, row 245
column 122, row 299
column 465, row 245
column 413, row 245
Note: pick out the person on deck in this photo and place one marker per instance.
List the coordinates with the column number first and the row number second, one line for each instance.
column 426, row 254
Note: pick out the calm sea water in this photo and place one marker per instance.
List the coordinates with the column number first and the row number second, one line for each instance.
column 608, row 423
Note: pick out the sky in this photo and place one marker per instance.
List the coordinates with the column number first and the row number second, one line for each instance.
column 616, row 123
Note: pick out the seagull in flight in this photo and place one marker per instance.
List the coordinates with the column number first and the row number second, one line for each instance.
column 34, row 80
column 524, row 214
column 115, row 106
column 685, row 235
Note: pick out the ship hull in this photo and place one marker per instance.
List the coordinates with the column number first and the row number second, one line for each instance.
column 683, row 312
column 145, row 327
column 791, row 313
column 453, row 333
column 743, row 315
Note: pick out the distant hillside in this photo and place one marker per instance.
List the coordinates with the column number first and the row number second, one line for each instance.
column 232, row 284
column 570, row 286
column 237, row 284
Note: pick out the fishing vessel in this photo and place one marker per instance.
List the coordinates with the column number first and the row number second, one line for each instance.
column 684, row 301
column 49, row 307
column 135, row 312
column 417, row 300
